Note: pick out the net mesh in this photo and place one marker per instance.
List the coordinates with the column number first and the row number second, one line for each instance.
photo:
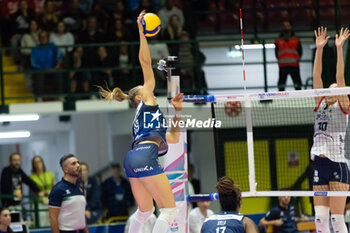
column 285, row 128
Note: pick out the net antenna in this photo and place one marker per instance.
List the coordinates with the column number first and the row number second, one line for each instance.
column 248, row 116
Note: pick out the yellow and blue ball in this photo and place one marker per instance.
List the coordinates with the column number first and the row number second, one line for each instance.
column 151, row 24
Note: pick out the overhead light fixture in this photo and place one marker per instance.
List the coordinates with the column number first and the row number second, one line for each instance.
column 255, row 46
column 14, row 134
column 22, row 117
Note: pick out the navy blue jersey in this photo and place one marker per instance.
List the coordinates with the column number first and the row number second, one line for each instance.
column 71, row 201
column 286, row 215
column 224, row 222
column 149, row 122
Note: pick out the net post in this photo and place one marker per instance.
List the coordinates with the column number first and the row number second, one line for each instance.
column 250, row 145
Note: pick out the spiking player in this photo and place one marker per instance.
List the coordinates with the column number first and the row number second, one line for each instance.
column 330, row 164
column 147, row 178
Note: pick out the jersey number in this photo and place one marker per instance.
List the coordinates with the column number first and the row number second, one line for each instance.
column 322, row 126
column 220, row 229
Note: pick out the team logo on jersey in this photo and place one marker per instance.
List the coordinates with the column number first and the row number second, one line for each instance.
column 316, row 178
column 336, row 175
column 67, row 191
column 143, row 169
column 152, row 119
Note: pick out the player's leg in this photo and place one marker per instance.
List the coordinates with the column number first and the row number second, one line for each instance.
column 283, row 72
column 159, row 188
column 340, row 180
column 145, row 205
column 320, row 183
column 321, row 210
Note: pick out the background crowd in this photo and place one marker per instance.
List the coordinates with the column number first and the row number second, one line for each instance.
column 46, row 24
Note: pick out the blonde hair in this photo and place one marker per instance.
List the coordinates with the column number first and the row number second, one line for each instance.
column 119, row 95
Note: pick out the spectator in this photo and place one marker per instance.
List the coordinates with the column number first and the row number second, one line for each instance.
column 86, row 6
column 46, row 57
column 231, row 203
column 173, row 32
column 30, row 39
column 73, row 17
column 192, row 76
column 116, row 194
column 103, row 76
column 92, row 193
column 66, row 201
column 20, row 25
column 119, row 32
column 101, row 16
column 45, row 181
column 108, row 5
column 39, row 6
column 12, row 178
column 120, row 12
column 5, row 220
column 9, row 7
column 123, row 76
column 80, row 79
column 61, row 37
column 167, row 11
column 158, row 51
column 198, row 215
column 94, row 35
column 288, row 52
column 144, row 5
column 146, row 228
column 282, row 217
column 49, row 19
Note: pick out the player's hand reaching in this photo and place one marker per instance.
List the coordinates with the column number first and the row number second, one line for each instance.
column 321, row 37
column 177, row 101
column 342, row 37
column 139, row 19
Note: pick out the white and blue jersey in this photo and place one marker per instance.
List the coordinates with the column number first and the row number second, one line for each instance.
column 149, row 122
column 329, row 131
column 224, row 222
column 71, row 201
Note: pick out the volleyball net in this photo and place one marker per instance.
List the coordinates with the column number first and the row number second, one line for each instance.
column 264, row 140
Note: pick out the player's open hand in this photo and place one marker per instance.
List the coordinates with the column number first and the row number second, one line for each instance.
column 321, row 37
column 139, row 19
column 342, row 37
column 177, row 101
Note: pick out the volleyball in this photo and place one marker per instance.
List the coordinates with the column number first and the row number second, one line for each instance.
column 151, row 24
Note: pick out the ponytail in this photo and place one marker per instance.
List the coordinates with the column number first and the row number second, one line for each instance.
column 116, row 94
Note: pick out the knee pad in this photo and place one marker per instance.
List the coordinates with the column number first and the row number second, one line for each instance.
column 143, row 217
column 322, row 219
column 338, row 223
column 168, row 214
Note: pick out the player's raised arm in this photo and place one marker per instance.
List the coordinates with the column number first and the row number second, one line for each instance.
column 339, row 42
column 174, row 135
column 321, row 41
column 146, row 62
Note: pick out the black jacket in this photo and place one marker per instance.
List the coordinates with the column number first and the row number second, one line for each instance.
column 8, row 177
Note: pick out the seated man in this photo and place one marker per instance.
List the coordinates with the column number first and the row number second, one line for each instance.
column 198, row 215
column 282, row 217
